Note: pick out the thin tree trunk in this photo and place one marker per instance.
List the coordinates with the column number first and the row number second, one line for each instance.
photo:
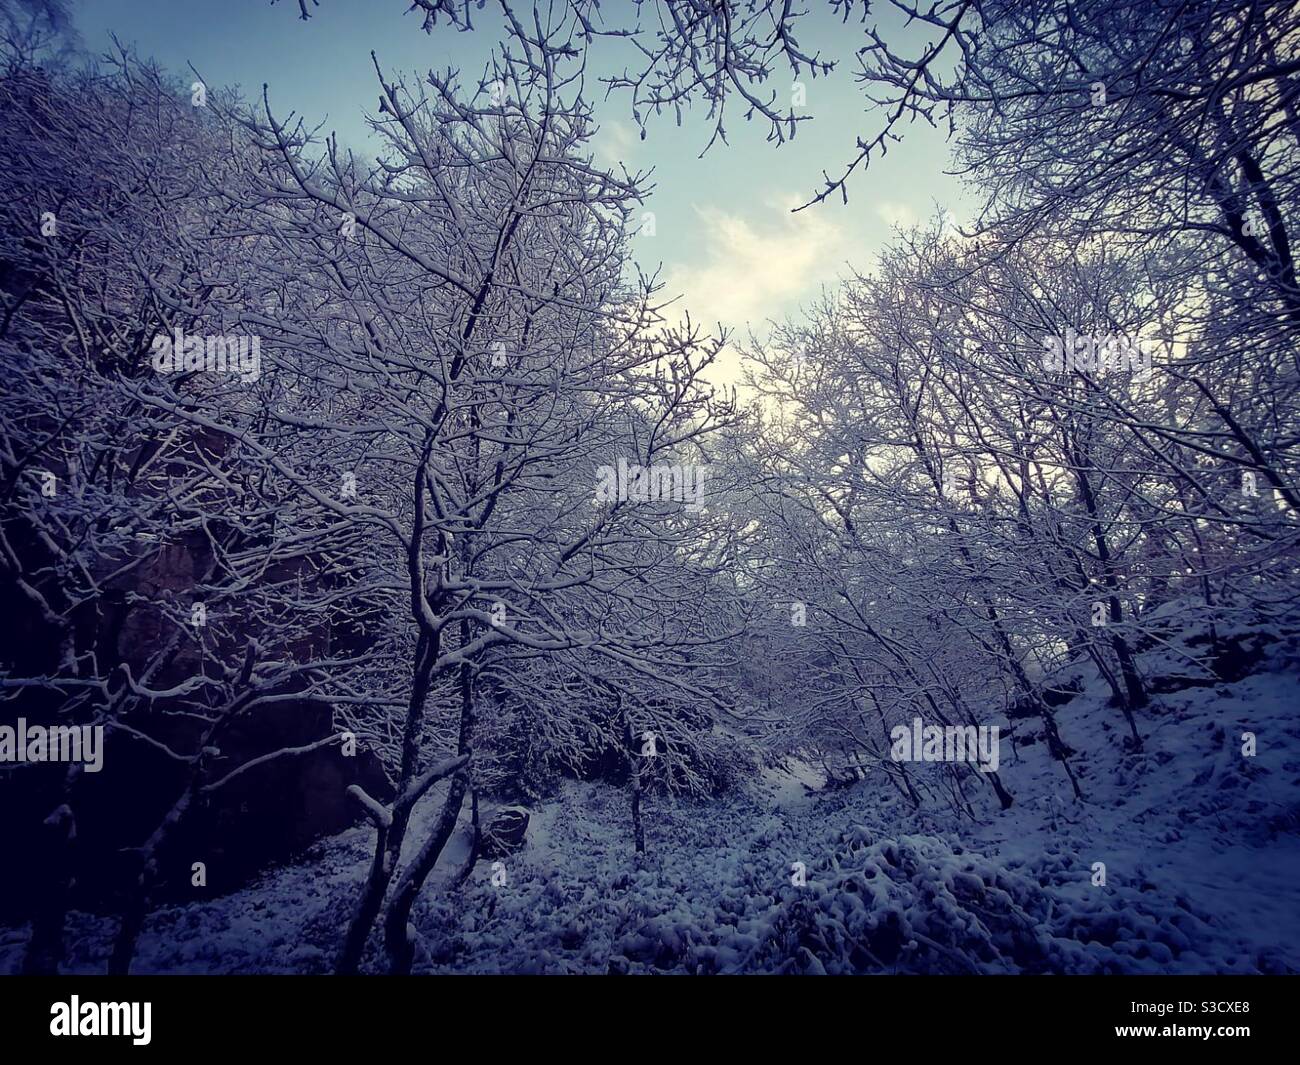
column 638, row 827
column 634, row 779
column 137, row 908
column 475, row 841
column 45, row 947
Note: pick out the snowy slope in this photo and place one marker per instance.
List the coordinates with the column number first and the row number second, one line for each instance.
column 1201, row 849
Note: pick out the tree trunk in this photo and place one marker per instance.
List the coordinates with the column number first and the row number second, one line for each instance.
column 132, row 921
column 638, row 828
column 475, row 841
column 45, row 948
column 389, row 838
column 397, row 940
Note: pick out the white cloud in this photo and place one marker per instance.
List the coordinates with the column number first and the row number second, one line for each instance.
column 615, row 143
column 896, row 214
column 758, row 265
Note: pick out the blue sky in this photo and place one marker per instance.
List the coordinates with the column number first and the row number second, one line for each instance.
column 724, row 233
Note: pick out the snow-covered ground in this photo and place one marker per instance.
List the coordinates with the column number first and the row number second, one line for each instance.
column 1201, row 849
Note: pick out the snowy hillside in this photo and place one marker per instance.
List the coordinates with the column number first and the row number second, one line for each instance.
column 1187, row 830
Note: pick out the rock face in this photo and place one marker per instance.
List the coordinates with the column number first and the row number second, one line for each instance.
column 504, row 834
column 277, row 809
column 266, row 815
